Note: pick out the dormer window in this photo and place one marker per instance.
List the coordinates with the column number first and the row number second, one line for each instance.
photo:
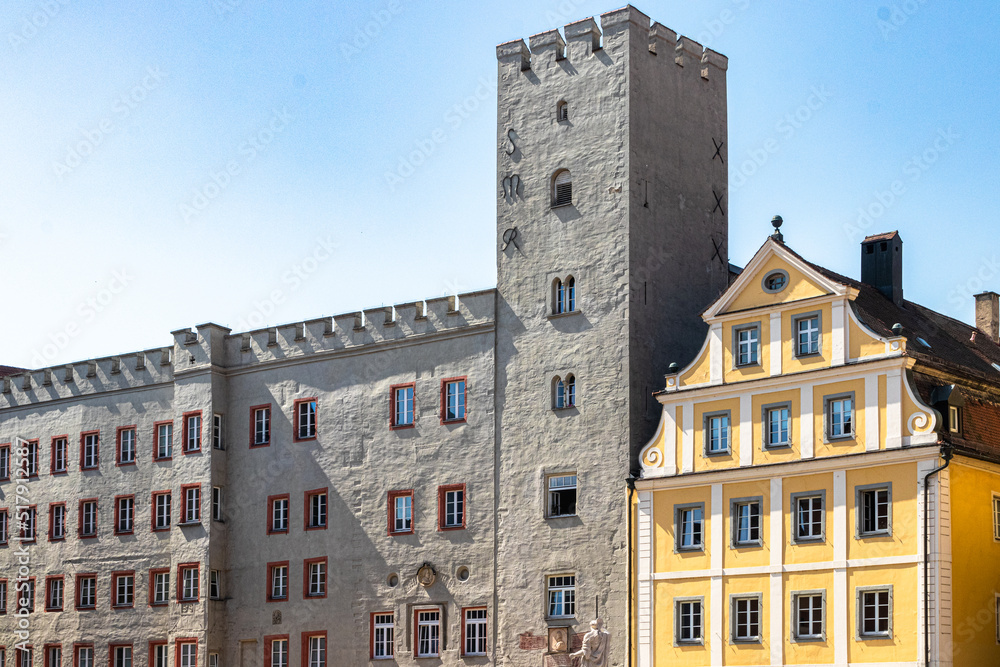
column 954, row 419
column 562, row 111
column 562, row 189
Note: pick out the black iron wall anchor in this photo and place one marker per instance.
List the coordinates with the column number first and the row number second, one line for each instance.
column 718, row 203
column 718, row 150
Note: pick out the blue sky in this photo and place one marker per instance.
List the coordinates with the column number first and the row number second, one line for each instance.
column 225, row 160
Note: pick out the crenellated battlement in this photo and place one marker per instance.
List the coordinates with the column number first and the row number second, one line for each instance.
column 584, row 38
column 211, row 345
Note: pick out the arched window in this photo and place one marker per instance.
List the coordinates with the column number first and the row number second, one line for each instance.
column 562, row 111
column 565, row 392
column 560, row 397
column 562, row 189
column 564, row 293
column 570, row 289
column 560, row 297
column 570, row 383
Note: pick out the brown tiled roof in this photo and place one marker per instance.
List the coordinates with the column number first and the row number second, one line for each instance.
column 881, row 237
column 10, row 370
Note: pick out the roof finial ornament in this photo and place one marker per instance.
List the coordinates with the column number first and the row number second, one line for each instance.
column 776, row 221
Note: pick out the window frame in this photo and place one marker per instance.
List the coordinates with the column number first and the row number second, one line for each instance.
column 186, row 419
column 801, row 317
column 31, row 461
column 156, row 440
column 734, row 599
column 296, row 426
column 271, row 501
column 795, row 596
column 443, row 492
column 218, row 431
column 314, row 634
column 393, row 389
column 678, row 528
column 374, row 627
column 556, row 201
column 416, row 630
column 5, row 458
column 482, row 622
column 391, row 506
column 49, row 581
column 463, row 401
column 678, row 640
column 155, row 510
column 955, row 419
column 83, row 450
column 32, row 597
column 774, row 290
column 996, row 516
column 181, row 569
column 569, row 387
column 185, row 506
column 549, row 514
column 32, row 512
column 271, row 567
column 118, row 507
column 181, row 642
column 154, row 645
column 53, row 523
column 734, row 505
column 152, row 600
column 78, row 648
column 79, row 524
column 268, row 643
column 307, row 510
column 3, row 596
column 119, row 437
column 549, row 589
column 765, row 424
column 215, row 584
column 115, row 576
column 737, row 329
column 253, row 425
column 4, row 526
column 78, row 590
column 113, row 654
column 218, row 511
column 64, row 440
column 307, row 578
column 860, row 592
column 707, row 433
column 794, row 503
column 47, row 650
column 828, row 402
column 859, row 533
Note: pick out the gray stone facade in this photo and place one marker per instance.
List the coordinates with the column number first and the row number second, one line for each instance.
column 645, row 242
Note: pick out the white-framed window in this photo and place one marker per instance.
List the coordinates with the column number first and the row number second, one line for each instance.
column 317, row 578
column 809, row 615
column 87, row 591
column 215, row 584
column 807, row 335
column 562, row 595
column 279, row 515
column 58, row 521
column 54, row 657
column 90, row 444
column 402, row 513
column 279, row 653
column 745, row 615
column 164, row 441
column 874, row 510
column 317, row 651
column 189, row 583
column 4, row 462
column 217, row 503
column 689, row 615
column 192, row 504
column 874, row 606
column 262, row 425
column 746, row 522
column 161, row 587
column 31, row 460
column 25, row 595
column 161, row 510
column 428, row 633
column 403, row 406
column 778, row 431
column 454, row 508
column 192, row 433
column 29, row 523
column 474, row 631
column 809, row 516
column 717, row 435
column 126, row 514
column 4, row 527
column 562, row 189
column 213, row 660
column 160, row 656
column 60, row 455
column 317, row 510
column 218, row 422
column 124, row 590
column 562, row 495
column 54, row 594
column 748, row 346
column 690, row 529
column 954, row 419
column 88, row 518
column 126, row 446
column 305, row 419
column 279, row 582
column 189, row 654
column 565, row 301
column 123, row 656
column 840, row 417
column 383, row 636
column 85, row 656
column 454, row 400
column 565, row 392
column 3, row 597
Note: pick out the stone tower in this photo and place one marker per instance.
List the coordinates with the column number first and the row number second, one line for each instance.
column 634, row 120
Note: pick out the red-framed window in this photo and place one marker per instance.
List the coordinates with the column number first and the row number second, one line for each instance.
column 278, row 581
column 83, row 654
column 159, row 587
column 57, row 522
column 304, row 419
column 192, row 432
column 28, row 519
column 453, row 405
column 400, row 507
column 120, row 655
column 260, row 425
column 314, row 576
column 4, row 525
column 86, row 524
column 55, row 593
column 190, row 504
column 383, row 635
column 158, row 653
column 186, row 652
column 160, row 510
column 452, row 507
column 90, row 450
column 125, row 445
column 188, row 582
column 53, row 655
column 59, row 459
column 474, row 631
column 124, row 515
column 402, row 405
column 163, row 440
column 86, row 591
column 276, row 650
column 279, row 513
column 25, row 591
column 5, row 462
column 24, row 656
column 122, row 589
column 314, row 515
column 314, row 649
column 3, row 596
column 29, row 463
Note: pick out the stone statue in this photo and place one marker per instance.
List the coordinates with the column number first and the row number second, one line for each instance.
column 595, row 646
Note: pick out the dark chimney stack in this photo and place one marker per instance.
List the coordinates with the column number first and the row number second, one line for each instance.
column 988, row 314
column 882, row 265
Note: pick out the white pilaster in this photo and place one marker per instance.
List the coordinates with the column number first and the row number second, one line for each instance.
column 670, row 439
column 871, row 414
column 894, row 409
column 716, row 629
column 716, row 546
column 645, row 584
column 746, row 430
column 842, row 633
column 774, row 348
column 715, row 355
column 806, row 449
column 687, row 437
column 839, row 332
column 777, row 595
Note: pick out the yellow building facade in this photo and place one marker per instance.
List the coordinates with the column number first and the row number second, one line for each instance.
column 781, row 510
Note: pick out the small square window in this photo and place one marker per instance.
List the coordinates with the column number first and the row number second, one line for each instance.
column 121, row 656
column 29, row 458
column 689, row 626
column 689, row 528
column 874, row 608
column 746, row 518
column 562, row 495
column 717, row 433
column 873, row 505
column 809, row 615
column 747, row 345
column 562, row 596
column 746, row 618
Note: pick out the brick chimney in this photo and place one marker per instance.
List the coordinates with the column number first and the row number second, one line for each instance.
column 882, row 265
column 988, row 314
